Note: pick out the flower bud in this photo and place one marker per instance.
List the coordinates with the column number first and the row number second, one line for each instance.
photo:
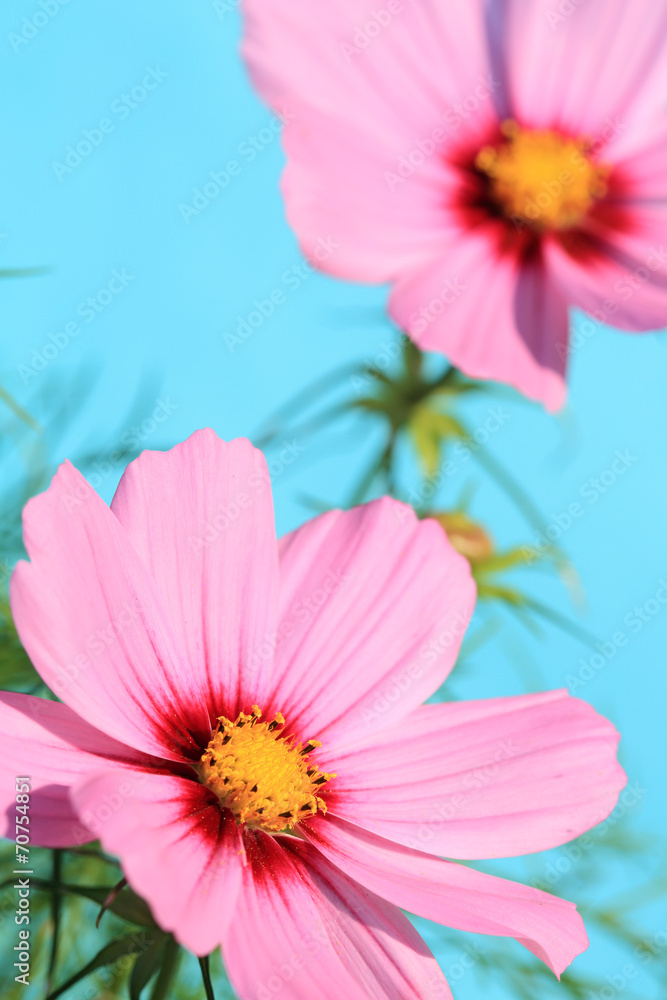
column 467, row 537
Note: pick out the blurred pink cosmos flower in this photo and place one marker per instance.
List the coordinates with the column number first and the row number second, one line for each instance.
column 243, row 725
column 496, row 160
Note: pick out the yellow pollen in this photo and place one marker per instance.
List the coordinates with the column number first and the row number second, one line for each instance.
column 261, row 775
column 541, row 177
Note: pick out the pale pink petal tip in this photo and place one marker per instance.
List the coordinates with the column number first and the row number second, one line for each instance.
column 454, row 895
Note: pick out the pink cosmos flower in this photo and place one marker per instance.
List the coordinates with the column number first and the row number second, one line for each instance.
column 495, row 160
column 242, row 724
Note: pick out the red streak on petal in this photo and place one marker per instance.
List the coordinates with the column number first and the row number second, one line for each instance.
column 208, row 821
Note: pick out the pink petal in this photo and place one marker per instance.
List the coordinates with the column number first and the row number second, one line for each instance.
column 48, row 742
column 641, row 160
column 452, row 894
column 627, row 286
column 374, row 604
column 177, row 848
column 406, row 76
column 541, row 316
column 304, row 928
column 481, row 309
column 201, row 518
column 593, row 66
column 483, row 779
column 358, row 118
column 92, row 623
column 372, row 229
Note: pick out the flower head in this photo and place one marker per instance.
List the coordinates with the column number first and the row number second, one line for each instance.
column 495, row 160
column 242, row 724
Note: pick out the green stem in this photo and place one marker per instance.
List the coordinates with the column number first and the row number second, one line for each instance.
column 56, row 903
column 204, row 965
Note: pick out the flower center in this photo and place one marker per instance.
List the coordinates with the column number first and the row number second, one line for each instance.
column 261, row 775
column 542, row 178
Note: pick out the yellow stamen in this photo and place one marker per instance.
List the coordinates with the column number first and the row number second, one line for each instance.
column 542, row 178
column 261, row 775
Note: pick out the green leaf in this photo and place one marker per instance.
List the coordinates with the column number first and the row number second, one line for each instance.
column 561, row 622
column 495, row 591
column 18, row 410
column 430, row 429
column 412, row 359
column 111, row 899
column 128, row 945
column 172, row 956
column 127, row 905
column 146, row 966
column 23, row 272
column 504, row 560
column 426, row 441
column 16, row 671
column 367, row 403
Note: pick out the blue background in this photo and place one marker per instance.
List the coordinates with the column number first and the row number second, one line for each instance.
column 193, row 281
